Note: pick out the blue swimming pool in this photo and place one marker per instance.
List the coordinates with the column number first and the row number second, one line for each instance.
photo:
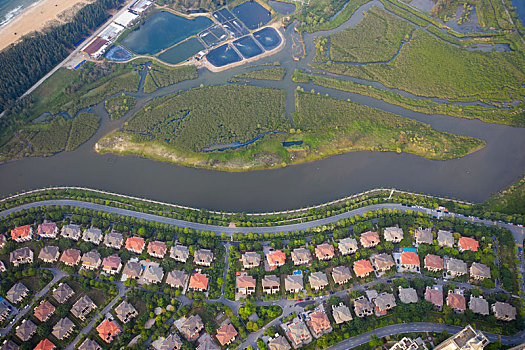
column 247, row 46
column 223, row 55
column 268, row 38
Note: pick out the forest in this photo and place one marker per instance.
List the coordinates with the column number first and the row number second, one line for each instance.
column 119, row 105
column 23, row 64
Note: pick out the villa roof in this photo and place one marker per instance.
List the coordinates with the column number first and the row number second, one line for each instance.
column 363, row 306
column 445, row 238
column 9, row 345
column 21, row 254
column 204, row 255
column 293, row 282
column 71, row 231
column 251, row 259
column 393, row 234
column 246, row 282
column 434, row 296
column 341, row 313
column 49, row 253
column 132, row 269
column 279, row 343
column 124, row 310
column 408, row 295
column 369, row 239
column 177, row 278
column 92, row 258
column 340, row 274
column 92, row 234
column 424, row 235
column 199, row 281
column 26, row 330
column 383, row 261
column 108, row 330
column 180, row 251
column 46, row 229
column 44, row 310
column 347, row 245
column 301, row 255
column 271, row 281
column 135, row 244
column 171, row 342
column 319, row 321
column 276, row 257
column 45, row 344
column 318, row 279
column 89, row 344
column 504, row 310
column 362, row 267
column 62, row 293
column 112, row 261
column 20, row 232
column 226, row 333
column 385, row 301
column 434, row 261
column 480, row 270
column 157, row 248
column 114, row 239
column 456, row 301
column 467, row 243
column 456, row 265
column 70, row 256
column 409, row 258
column 62, row 328
column 478, row 305
column 324, row 251
column 153, row 273
column 191, row 325
column 17, row 291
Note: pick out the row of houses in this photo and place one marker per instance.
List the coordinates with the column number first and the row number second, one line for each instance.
column 191, row 326
column 303, row 329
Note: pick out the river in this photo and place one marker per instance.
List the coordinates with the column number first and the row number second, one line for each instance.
column 474, row 177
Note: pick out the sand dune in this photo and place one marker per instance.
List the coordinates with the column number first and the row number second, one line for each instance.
column 37, row 17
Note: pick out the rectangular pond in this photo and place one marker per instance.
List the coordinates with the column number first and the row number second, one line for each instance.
column 268, row 38
column 252, row 14
column 223, row 55
column 213, row 36
column 182, row 51
column 247, row 46
column 284, row 8
column 163, row 30
column 223, row 16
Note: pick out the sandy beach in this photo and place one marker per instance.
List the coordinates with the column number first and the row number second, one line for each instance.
column 38, row 16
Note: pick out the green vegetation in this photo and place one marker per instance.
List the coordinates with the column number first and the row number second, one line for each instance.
column 509, row 201
column 404, row 13
column 446, row 71
column 161, row 76
column 376, row 38
column 316, row 14
column 510, row 116
column 82, row 128
column 274, row 73
column 332, row 126
column 119, row 105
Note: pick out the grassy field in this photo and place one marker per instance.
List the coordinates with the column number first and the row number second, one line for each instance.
column 161, row 76
column 509, row 201
column 376, row 38
column 508, row 116
column 119, row 105
column 273, row 73
column 446, row 71
column 325, row 126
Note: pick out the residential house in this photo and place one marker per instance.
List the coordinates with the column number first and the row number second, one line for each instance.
column 25, row 330
column 226, row 334
column 113, row 240
column 347, row 246
column 49, row 254
column 479, row 271
column 298, row 334
column 157, row 249
column 206, row 342
column 62, row 293
column 180, row 253
column 89, row 344
column 153, row 273
column 467, row 243
column 479, row 305
column 45, row 344
column 199, row 282
column 466, row 339
column 293, row 283
column 93, row 235
column 276, row 259
column 445, row 239
column 17, row 293
column 245, row 285
column 409, row 344
column 456, row 267
column 363, row 307
column 393, row 234
column 271, row 284
column 434, row 296
column 318, row 322
column 91, row 260
column 171, row 342
column 424, row 235
column 301, row 256
column 9, row 345
column 318, row 280
column 47, row 230
column 203, row 257
column 433, row 263
column 407, row 295
column 363, row 268
column 369, row 239
column 341, row 313
column 177, row 279
column 190, row 327
column 44, row 311
column 341, row 274
column 126, row 312
column 108, row 330
column 410, row 261
column 70, row 257
column 383, row 262
column 83, row 307
column 63, row 328
column 112, row 264
column 2, row 241
column 132, row 270
column 504, row 311
column 456, row 301
column 278, row 343
column 5, row 311
column 21, row 256
column 324, row 251
column 251, row 260
column 135, row 244
column 71, row 231
column 384, row 302
column 22, row 234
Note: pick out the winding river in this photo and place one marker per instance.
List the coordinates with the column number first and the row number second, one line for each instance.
column 474, row 177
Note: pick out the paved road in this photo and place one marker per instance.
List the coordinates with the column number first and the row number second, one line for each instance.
column 57, row 276
column 121, row 291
